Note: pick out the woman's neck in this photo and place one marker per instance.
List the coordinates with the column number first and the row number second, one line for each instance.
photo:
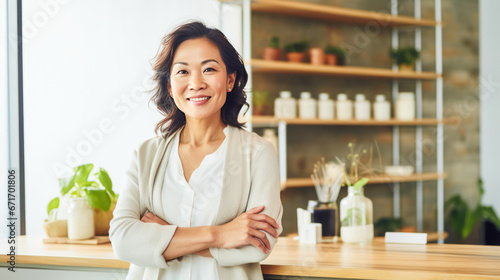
column 199, row 132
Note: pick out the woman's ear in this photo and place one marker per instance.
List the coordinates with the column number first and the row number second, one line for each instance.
column 169, row 88
column 231, row 78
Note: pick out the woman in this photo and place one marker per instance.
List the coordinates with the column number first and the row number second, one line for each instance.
column 210, row 189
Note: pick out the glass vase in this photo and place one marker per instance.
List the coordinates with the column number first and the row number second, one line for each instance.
column 356, row 215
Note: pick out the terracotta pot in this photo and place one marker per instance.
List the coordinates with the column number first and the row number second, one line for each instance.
column 259, row 110
column 407, row 68
column 102, row 219
column 331, row 59
column 295, row 56
column 272, row 53
column 317, row 56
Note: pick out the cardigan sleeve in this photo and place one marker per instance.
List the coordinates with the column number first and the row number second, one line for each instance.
column 264, row 190
column 133, row 240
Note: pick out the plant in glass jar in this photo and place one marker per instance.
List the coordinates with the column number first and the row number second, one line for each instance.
column 356, row 210
column 97, row 193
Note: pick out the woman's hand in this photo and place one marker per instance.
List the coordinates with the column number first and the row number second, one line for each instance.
column 247, row 229
column 152, row 218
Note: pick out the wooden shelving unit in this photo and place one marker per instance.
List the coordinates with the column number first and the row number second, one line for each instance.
column 283, row 67
column 337, row 14
column 272, row 121
column 376, row 179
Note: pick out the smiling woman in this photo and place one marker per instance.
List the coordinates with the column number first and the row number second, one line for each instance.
column 202, row 200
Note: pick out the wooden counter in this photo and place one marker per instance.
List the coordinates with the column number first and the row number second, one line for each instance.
column 334, row 260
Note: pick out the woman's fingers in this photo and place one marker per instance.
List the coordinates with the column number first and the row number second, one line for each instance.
column 261, row 237
column 265, row 218
column 265, row 227
column 152, row 218
column 256, row 210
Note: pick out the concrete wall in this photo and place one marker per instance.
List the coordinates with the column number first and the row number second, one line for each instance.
column 370, row 47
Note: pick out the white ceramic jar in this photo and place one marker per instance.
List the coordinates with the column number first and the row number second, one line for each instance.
column 285, row 106
column 362, row 107
column 405, row 106
column 344, row 107
column 326, row 107
column 381, row 108
column 307, row 106
column 271, row 136
column 80, row 219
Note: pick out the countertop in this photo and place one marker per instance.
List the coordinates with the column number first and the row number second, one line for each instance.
column 376, row 260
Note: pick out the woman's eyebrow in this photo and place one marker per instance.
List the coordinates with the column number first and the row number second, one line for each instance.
column 202, row 63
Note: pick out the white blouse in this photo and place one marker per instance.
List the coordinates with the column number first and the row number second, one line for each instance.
column 191, row 204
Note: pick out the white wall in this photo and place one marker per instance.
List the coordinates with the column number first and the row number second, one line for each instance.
column 489, row 43
column 86, row 70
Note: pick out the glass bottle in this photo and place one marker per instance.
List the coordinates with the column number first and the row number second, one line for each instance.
column 80, row 219
column 356, row 216
column 326, row 213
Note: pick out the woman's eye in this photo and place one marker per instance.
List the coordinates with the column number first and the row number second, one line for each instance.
column 182, row 72
column 209, row 70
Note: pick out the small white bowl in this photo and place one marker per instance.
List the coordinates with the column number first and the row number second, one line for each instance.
column 404, row 170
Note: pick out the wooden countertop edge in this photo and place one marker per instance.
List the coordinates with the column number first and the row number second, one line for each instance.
column 363, row 273
column 269, row 269
column 67, row 261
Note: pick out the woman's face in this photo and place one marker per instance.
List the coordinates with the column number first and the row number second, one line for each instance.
column 199, row 81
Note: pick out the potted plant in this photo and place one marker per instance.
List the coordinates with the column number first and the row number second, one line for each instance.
column 405, row 58
column 316, row 56
column 260, row 102
column 98, row 191
column 273, row 51
column 295, row 51
column 334, row 55
column 464, row 219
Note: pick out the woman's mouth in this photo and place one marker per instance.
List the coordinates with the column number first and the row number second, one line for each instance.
column 199, row 100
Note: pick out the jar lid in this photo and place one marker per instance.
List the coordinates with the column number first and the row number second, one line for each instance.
column 341, row 97
column 360, row 97
column 285, row 94
column 305, row 95
column 324, row 96
column 380, row 97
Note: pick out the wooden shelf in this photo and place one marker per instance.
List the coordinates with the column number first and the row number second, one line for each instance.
column 284, row 67
column 338, row 14
column 272, row 121
column 378, row 179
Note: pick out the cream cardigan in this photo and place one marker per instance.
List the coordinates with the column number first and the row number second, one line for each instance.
column 251, row 178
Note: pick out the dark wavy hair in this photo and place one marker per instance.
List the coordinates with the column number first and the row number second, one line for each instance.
column 236, row 99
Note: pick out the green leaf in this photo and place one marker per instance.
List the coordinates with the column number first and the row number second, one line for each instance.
column 471, row 219
column 457, row 209
column 53, row 204
column 361, row 182
column 98, row 198
column 82, row 173
column 487, row 212
column 66, row 184
column 105, row 180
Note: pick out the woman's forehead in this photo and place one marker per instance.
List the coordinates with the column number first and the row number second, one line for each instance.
column 197, row 51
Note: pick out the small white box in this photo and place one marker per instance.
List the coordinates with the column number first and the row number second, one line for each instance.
column 311, row 233
column 406, row 237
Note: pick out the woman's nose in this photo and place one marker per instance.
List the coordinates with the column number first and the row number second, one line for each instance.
column 197, row 81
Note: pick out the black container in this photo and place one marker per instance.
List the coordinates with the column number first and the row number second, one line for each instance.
column 327, row 215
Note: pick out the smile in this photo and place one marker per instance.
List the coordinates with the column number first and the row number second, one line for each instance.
column 199, row 98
